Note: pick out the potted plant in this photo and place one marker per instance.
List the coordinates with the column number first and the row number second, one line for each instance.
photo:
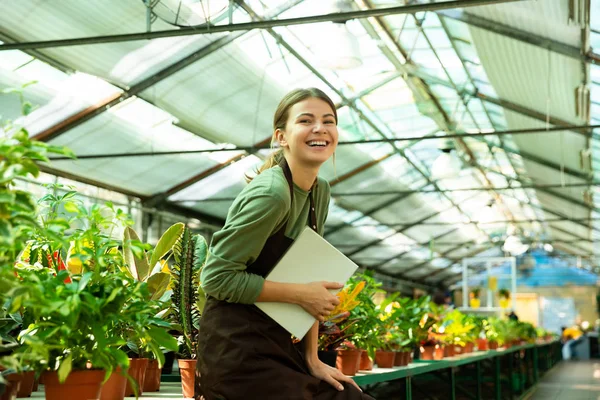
column 407, row 317
column 431, row 347
column 474, row 301
column 362, row 334
column 187, row 302
column 504, row 295
column 97, row 299
column 331, row 336
column 151, row 267
column 386, row 333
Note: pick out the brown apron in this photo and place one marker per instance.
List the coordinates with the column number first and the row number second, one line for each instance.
column 244, row 354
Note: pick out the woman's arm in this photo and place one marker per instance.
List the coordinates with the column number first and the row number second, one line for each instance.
column 314, row 297
column 320, row 370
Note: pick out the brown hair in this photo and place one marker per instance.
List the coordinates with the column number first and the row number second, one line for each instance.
column 281, row 116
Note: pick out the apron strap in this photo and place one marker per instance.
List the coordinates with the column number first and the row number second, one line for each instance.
column 312, row 214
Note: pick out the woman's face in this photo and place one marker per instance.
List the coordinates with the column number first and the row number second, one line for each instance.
column 310, row 135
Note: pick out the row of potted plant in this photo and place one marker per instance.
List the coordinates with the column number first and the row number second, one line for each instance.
column 359, row 333
column 78, row 304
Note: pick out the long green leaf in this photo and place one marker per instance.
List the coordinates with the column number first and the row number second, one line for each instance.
column 166, row 242
column 158, row 284
column 65, row 368
column 137, row 266
column 163, row 338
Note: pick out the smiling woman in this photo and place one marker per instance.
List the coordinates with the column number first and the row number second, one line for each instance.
column 241, row 350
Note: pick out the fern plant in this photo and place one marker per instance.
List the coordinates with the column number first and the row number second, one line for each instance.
column 187, row 299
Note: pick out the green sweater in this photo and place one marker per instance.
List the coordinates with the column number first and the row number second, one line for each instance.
column 258, row 212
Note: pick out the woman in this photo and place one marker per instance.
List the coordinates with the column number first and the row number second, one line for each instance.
column 243, row 353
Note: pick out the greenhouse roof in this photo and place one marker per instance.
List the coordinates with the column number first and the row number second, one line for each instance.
column 175, row 115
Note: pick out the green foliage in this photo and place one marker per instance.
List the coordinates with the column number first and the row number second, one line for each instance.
column 187, row 301
column 457, row 329
column 362, row 334
column 18, row 157
column 69, row 324
column 149, row 266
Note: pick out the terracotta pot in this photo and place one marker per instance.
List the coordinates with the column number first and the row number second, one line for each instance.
column 427, row 352
column 27, row 381
column 365, row 364
column 348, row 361
column 187, row 370
column 398, row 358
column 492, row 345
column 114, row 388
column 482, row 344
column 469, row 348
column 449, row 351
column 384, row 359
column 152, row 382
column 438, row 353
column 402, row 358
column 12, row 386
column 328, row 357
column 80, row 385
column 408, row 357
column 36, row 383
column 137, row 371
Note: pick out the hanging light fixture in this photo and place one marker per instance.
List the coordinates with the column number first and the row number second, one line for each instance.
column 447, row 165
column 337, row 47
column 514, row 246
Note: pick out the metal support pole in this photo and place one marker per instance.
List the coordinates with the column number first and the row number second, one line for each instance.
column 452, row 382
column 479, row 393
column 511, row 389
column 408, row 381
column 497, row 383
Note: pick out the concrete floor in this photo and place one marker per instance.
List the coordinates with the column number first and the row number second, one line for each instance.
column 570, row 380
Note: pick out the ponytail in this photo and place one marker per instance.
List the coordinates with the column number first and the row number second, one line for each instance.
column 273, row 160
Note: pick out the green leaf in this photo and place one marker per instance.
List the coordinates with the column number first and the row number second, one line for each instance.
column 5, row 228
column 158, row 284
column 163, row 338
column 25, row 201
column 84, row 281
column 166, row 242
column 200, row 251
column 7, row 197
column 71, row 207
column 26, row 108
column 138, row 266
column 65, row 368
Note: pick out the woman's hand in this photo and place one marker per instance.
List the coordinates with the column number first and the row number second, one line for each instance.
column 317, row 300
column 331, row 375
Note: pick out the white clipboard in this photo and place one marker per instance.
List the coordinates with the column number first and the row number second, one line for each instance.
column 310, row 258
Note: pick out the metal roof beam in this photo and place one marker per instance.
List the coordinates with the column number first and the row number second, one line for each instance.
column 174, row 208
column 519, row 35
column 393, row 192
column 247, row 26
column 457, row 260
column 423, row 244
column 368, row 212
column 413, row 139
column 97, row 109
